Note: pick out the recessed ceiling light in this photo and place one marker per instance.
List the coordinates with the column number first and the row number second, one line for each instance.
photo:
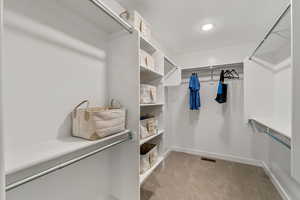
column 207, row 27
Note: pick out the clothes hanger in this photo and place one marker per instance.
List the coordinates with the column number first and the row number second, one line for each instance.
column 228, row 74
column 233, row 71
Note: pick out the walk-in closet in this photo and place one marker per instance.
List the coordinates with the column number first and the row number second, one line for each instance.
column 149, row 100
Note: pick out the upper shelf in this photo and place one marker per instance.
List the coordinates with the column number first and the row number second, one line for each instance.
column 147, row 46
column 66, row 14
column 276, row 45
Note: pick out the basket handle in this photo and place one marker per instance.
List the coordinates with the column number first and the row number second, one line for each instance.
column 76, row 107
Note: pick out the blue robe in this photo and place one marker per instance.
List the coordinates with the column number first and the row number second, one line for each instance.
column 194, row 86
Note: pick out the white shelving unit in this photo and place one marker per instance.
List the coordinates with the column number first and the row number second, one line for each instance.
column 153, row 77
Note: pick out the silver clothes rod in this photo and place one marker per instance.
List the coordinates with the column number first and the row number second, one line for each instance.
column 271, row 30
column 205, row 81
column 113, row 15
column 213, row 67
column 63, row 165
column 274, row 134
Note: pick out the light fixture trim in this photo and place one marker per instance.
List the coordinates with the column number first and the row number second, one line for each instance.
column 207, row 27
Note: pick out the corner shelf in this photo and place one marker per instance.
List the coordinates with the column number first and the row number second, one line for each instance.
column 146, row 174
column 143, row 141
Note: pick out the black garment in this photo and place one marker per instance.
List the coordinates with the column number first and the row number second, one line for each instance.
column 222, row 90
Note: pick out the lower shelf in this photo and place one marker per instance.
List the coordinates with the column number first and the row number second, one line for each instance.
column 28, row 156
column 145, row 175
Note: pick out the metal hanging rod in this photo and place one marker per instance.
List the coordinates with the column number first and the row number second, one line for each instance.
column 63, row 165
column 213, row 68
column 113, row 15
column 274, row 134
column 210, row 71
column 271, row 30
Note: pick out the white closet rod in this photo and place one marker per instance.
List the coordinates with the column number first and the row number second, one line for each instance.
column 65, row 164
column 113, row 15
column 186, row 81
column 276, row 135
column 271, row 30
column 211, row 69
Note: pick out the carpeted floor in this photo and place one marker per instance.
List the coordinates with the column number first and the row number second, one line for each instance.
column 186, row 177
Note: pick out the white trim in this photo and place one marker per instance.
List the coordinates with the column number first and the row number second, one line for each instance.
column 219, row 156
column 275, row 181
column 167, row 153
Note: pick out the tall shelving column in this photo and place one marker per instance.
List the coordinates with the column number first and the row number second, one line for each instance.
column 154, row 77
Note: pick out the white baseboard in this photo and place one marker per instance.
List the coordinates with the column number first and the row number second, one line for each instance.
column 167, row 153
column 275, row 181
column 219, row 156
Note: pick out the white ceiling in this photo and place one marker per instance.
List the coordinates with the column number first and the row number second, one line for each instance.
column 176, row 23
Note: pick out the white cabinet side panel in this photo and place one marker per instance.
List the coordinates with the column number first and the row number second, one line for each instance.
column 2, row 179
column 296, row 90
column 123, row 84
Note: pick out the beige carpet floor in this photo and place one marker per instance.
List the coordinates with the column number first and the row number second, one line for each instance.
column 187, row 177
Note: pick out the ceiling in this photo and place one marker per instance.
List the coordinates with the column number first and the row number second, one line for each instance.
column 177, row 23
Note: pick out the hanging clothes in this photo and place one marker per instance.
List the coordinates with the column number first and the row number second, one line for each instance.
column 222, row 89
column 194, row 87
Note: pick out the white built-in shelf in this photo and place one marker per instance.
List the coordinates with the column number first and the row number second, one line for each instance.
column 169, row 65
column 146, row 174
column 27, row 156
column 151, row 74
column 147, row 46
column 151, row 104
column 92, row 12
column 279, row 127
column 143, row 141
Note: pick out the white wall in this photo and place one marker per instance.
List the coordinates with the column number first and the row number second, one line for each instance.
column 216, row 129
column 283, row 97
column 257, row 93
